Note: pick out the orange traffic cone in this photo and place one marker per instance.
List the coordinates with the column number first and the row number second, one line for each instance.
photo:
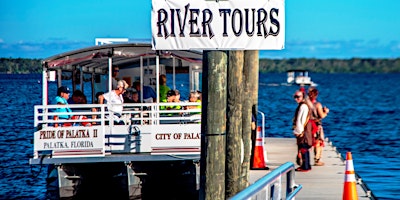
column 350, row 190
column 258, row 156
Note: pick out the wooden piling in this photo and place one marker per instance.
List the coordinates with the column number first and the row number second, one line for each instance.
column 213, row 127
column 250, row 79
column 234, row 122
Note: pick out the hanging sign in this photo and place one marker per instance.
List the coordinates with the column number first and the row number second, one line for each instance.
column 223, row 25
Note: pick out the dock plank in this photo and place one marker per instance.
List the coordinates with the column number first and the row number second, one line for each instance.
column 322, row 182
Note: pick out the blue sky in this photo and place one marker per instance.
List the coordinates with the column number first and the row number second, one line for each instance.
column 314, row 28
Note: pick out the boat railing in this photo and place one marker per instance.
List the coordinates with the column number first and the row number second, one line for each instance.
column 270, row 186
column 138, row 113
column 94, row 131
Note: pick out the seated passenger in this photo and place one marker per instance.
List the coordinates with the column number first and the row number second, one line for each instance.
column 135, row 97
column 148, row 92
column 171, row 97
column 199, row 95
column 177, row 96
column 194, row 97
column 131, row 96
column 62, row 99
column 77, row 98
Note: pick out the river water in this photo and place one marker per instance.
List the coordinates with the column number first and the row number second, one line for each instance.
column 364, row 118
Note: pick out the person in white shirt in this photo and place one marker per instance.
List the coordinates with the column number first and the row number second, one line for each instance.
column 114, row 100
column 302, row 129
column 301, row 114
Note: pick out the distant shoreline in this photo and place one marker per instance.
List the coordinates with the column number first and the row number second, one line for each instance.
column 313, row 65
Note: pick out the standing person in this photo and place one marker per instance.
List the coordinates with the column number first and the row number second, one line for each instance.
column 318, row 113
column 115, row 72
column 115, row 97
column 62, row 99
column 163, row 87
column 302, row 129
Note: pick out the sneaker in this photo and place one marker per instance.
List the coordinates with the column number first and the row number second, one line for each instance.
column 299, row 169
column 319, row 163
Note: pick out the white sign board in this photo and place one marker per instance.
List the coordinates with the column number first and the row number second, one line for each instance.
column 176, row 139
column 223, row 25
column 70, row 141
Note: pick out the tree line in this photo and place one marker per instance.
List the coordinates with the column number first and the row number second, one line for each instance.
column 354, row 65
column 20, row 66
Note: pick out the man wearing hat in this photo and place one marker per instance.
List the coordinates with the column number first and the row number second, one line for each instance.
column 62, row 99
column 171, row 96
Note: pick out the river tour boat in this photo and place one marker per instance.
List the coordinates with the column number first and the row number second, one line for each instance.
column 89, row 155
column 299, row 77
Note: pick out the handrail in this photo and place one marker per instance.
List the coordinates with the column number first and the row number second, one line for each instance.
column 43, row 114
column 262, row 124
column 263, row 134
column 268, row 185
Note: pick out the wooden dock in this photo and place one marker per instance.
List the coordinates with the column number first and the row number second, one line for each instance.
column 322, row 182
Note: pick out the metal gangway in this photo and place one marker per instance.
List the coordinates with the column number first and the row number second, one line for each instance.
column 270, row 186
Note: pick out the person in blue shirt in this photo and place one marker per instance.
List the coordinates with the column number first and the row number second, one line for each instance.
column 62, row 99
column 148, row 92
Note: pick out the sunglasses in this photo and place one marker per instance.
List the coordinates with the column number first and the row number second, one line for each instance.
column 297, row 96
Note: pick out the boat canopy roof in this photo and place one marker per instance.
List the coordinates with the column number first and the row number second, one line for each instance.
column 95, row 59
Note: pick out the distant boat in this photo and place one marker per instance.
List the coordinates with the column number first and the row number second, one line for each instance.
column 299, row 77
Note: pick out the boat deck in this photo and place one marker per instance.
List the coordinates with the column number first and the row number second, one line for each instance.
column 322, row 182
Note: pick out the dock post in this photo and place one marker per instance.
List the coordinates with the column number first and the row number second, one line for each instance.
column 234, row 122
column 213, row 126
